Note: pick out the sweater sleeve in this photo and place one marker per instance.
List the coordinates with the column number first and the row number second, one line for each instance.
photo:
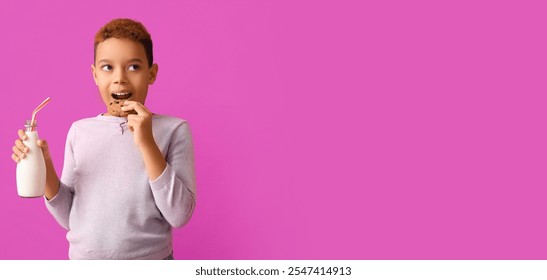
column 59, row 206
column 175, row 189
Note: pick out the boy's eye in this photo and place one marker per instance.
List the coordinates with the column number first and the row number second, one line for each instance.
column 133, row 67
column 106, row 67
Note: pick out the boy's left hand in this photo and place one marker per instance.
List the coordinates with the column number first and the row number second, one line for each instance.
column 140, row 124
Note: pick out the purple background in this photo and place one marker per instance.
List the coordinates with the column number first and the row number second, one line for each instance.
column 322, row 129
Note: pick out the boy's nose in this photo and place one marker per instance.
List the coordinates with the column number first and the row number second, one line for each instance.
column 119, row 77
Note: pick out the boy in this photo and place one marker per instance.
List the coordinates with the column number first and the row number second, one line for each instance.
column 128, row 174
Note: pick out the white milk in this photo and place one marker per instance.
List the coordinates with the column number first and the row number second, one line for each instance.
column 31, row 170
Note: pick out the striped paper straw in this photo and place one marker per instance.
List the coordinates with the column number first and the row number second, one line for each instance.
column 38, row 109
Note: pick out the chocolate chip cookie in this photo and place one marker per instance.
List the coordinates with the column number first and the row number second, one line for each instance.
column 115, row 109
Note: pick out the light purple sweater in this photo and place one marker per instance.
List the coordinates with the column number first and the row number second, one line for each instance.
column 106, row 201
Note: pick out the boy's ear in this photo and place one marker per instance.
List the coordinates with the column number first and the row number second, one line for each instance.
column 94, row 74
column 153, row 73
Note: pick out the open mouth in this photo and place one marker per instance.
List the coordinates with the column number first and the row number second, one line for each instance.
column 121, row 95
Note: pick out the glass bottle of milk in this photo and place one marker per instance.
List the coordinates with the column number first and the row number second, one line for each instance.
column 31, row 170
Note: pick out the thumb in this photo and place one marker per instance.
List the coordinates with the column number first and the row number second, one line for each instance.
column 43, row 145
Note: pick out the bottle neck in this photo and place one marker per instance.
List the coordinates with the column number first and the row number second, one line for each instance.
column 30, row 127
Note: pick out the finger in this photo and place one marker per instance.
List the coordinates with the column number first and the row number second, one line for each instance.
column 130, row 102
column 42, row 144
column 130, row 122
column 127, row 113
column 132, row 118
column 22, row 134
column 19, row 144
column 18, row 152
column 15, row 158
column 128, row 105
column 134, row 105
column 128, row 110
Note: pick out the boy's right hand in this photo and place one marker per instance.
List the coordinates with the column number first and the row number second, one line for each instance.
column 20, row 150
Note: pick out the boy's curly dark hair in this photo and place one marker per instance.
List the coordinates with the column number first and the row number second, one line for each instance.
column 124, row 28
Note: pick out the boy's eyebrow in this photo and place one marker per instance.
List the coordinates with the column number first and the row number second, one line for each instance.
column 136, row 59
column 103, row 60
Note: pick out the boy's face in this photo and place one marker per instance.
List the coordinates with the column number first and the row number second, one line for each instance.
column 121, row 71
